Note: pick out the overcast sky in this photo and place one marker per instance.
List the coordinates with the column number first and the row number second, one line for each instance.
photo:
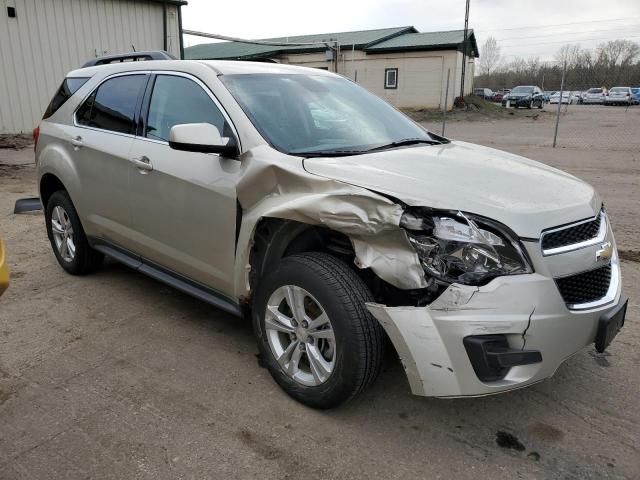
column 525, row 28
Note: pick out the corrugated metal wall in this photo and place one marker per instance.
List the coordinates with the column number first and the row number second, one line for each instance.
column 48, row 38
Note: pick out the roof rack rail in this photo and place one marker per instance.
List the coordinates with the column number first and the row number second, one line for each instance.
column 130, row 57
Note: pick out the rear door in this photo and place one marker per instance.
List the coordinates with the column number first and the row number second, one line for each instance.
column 102, row 137
column 183, row 204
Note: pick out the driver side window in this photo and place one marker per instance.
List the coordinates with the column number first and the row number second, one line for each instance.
column 176, row 100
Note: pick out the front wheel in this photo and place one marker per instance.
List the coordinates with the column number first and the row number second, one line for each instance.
column 314, row 332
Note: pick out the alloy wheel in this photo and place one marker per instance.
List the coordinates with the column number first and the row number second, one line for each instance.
column 300, row 335
column 62, row 231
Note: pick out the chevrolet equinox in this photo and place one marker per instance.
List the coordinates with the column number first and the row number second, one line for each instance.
column 299, row 199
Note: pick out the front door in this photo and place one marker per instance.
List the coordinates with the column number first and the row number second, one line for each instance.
column 183, row 204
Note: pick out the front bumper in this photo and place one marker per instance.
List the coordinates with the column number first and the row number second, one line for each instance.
column 516, row 102
column 527, row 310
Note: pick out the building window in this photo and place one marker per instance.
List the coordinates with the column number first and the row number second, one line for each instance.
column 390, row 78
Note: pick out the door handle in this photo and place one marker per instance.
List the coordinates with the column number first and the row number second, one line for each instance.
column 143, row 164
column 76, row 142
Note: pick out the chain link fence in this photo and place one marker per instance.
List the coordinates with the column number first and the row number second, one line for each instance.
column 596, row 117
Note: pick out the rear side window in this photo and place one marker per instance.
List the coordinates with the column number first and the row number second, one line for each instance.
column 177, row 100
column 112, row 106
column 65, row 92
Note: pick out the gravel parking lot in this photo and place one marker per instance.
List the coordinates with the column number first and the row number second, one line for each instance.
column 116, row 376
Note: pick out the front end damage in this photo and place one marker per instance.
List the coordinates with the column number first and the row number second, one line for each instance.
column 519, row 322
column 527, row 311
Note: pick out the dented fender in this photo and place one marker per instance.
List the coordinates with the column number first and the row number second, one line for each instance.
column 283, row 189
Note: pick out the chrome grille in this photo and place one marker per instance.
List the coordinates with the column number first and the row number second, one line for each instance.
column 574, row 236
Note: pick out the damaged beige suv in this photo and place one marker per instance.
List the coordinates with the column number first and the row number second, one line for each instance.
column 299, row 198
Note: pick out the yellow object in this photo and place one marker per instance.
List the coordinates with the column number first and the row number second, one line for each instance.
column 4, row 270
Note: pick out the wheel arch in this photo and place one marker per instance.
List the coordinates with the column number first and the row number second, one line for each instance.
column 276, row 238
column 49, row 184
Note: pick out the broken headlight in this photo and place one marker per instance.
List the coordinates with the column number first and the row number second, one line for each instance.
column 463, row 248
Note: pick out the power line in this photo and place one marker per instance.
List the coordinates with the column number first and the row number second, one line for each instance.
column 555, row 25
column 569, row 42
column 570, row 33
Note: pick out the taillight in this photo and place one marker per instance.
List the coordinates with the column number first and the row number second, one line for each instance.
column 36, row 134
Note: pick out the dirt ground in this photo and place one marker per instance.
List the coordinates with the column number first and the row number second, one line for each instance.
column 117, row 376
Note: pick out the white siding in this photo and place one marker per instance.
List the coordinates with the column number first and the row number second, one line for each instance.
column 48, row 38
column 422, row 76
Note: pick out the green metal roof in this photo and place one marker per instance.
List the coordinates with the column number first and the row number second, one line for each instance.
column 237, row 50
column 426, row 41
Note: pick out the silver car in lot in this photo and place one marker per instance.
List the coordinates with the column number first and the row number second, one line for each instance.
column 296, row 198
column 594, row 96
column 619, row 96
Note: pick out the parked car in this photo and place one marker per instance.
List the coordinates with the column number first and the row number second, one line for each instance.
column 594, row 96
column 485, row 93
column 547, row 95
column 567, row 97
column 4, row 269
column 524, row 96
column 636, row 95
column 485, row 270
column 499, row 95
column 619, row 96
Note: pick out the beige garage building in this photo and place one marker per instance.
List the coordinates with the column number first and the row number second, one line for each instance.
column 406, row 67
column 42, row 40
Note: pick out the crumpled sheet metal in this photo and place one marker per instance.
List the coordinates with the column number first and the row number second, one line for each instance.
column 390, row 255
column 280, row 189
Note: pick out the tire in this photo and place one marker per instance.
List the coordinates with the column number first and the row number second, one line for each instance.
column 541, row 104
column 61, row 212
column 358, row 339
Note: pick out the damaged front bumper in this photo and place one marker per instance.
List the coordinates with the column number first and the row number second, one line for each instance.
column 525, row 310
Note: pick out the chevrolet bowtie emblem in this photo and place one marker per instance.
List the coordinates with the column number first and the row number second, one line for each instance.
column 604, row 252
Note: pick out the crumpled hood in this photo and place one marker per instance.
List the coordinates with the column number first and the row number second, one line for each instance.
column 525, row 195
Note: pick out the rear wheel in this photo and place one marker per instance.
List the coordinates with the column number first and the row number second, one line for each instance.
column 314, row 332
column 67, row 236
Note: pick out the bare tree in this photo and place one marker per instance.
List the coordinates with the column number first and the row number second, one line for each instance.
column 490, row 56
column 570, row 54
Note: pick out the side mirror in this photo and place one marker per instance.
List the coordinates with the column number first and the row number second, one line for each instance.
column 203, row 138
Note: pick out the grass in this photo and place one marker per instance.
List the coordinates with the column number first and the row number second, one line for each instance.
column 476, row 109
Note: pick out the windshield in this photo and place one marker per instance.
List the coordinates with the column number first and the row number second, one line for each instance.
column 619, row 90
column 595, row 90
column 522, row 90
column 307, row 114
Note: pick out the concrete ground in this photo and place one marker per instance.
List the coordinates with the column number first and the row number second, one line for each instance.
column 117, row 376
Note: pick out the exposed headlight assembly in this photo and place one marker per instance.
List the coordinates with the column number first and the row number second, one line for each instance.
column 463, row 248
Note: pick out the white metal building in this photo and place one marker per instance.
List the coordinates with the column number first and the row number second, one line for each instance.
column 407, row 68
column 42, row 40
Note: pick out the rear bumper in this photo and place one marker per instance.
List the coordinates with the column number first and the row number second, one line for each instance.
column 526, row 310
column 618, row 101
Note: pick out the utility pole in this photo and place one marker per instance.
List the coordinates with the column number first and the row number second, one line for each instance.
column 464, row 50
column 555, row 133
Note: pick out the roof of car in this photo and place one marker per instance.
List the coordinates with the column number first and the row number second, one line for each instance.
column 221, row 67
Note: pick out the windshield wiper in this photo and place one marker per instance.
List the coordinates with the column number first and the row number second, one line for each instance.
column 330, row 153
column 405, row 142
